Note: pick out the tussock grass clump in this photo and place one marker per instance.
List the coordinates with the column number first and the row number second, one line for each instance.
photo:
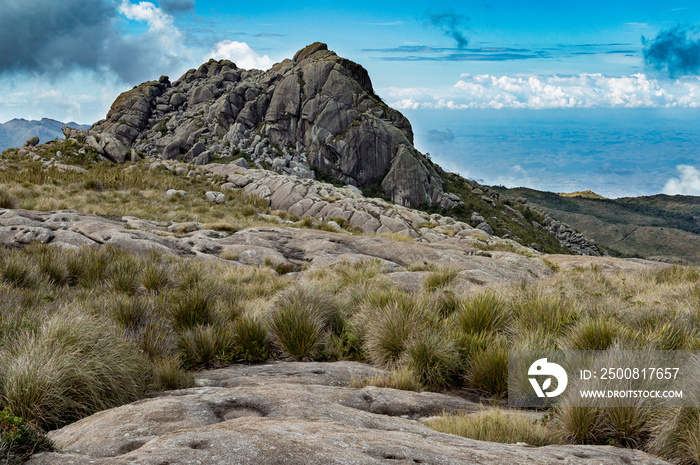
column 482, row 313
column 390, row 320
column 123, row 275
column 440, row 278
column 675, row 436
column 206, row 346
column 592, row 334
column 581, row 425
column 51, row 263
column 250, row 339
column 299, row 321
column 676, row 274
column 534, row 311
column 130, row 313
column 363, row 271
column 495, row 425
column 433, row 359
column 88, row 267
column 7, row 201
column 403, row 379
column 488, row 369
column 155, row 277
column 17, row 270
column 192, row 307
column 73, row 366
column 168, row 374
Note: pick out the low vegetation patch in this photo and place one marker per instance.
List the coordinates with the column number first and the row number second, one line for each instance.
column 496, row 425
column 88, row 329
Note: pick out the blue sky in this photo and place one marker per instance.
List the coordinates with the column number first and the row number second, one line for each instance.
column 444, row 64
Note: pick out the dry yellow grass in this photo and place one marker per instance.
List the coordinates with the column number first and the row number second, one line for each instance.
column 496, row 425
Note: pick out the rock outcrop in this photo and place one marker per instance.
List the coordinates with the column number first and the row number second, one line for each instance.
column 297, row 414
column 288, row 248
column 317, row 111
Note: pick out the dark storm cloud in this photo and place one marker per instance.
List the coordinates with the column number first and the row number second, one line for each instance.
column 452, row 25
column 441, row 137
column 675, row 51
column 174, row 7
column 49, row 37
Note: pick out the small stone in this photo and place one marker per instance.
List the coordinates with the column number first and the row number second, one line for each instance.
column 175, row 193
column 214, row 197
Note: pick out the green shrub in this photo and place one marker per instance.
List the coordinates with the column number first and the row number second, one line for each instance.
column 433, row 359
column 496, row 426
column 250, row 339
column 482, row 313
column 299, row 321
column 18, row 441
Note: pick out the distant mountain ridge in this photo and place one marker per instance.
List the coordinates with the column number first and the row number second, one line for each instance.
column 14, row 132
column 660, row 227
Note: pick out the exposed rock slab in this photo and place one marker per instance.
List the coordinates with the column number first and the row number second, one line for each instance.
column 302, row 422
column 262, row 245
column 605, row 264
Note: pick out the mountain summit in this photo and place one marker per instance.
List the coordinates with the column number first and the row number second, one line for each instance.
column 315, row 116
column 316, row 111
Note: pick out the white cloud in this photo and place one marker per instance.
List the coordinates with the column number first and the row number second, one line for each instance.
column 161, row 27
column 549, row 92
column 239, row 53
column 688, row 184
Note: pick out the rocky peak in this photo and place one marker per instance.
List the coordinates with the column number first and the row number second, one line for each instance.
column 316, row 113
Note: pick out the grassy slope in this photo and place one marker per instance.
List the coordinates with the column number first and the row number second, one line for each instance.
column 659, row 226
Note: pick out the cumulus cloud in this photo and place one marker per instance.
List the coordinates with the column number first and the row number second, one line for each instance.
column 551, row 92
column 675, row 50
column 452, row 25
column 169, row 55
column 687, row 184
column 239, row 53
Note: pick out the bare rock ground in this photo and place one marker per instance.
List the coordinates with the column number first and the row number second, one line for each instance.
column 295, row 413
